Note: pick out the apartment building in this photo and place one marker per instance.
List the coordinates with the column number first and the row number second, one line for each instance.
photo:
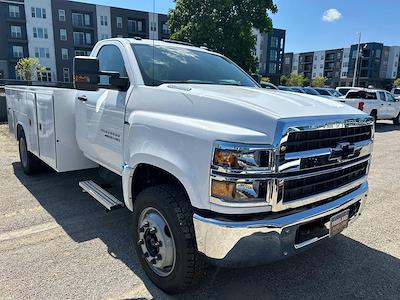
column 55, row 31
column 377, row 65
column 270, row 49
column 14, row 44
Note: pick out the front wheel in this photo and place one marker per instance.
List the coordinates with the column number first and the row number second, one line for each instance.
column 165, row 240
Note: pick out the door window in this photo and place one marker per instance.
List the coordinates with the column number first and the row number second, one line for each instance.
column 110, row 59
column 382, row 96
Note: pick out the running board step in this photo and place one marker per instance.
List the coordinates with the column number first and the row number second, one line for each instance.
column 101, row 195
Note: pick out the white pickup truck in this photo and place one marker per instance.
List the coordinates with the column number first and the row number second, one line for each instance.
column 379, row 104
column 213, row 167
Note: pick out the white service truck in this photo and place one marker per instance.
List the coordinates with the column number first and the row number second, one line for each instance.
column 379, row 104
column 213, row 167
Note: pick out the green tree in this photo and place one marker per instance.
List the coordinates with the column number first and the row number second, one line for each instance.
column 297, row 79
column 397, row 82
column 319, row 81
column 265, row 79
column 222, row 25
column 284, row 79
column 28, row 67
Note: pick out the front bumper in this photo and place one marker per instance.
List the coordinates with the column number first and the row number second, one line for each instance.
column 255, row 242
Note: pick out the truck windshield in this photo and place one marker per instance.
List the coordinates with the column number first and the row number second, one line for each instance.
column 168, row 64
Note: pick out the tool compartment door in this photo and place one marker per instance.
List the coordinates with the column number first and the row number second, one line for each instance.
column 46, row 130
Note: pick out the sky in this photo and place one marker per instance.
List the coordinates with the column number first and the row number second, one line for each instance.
column 315, row 24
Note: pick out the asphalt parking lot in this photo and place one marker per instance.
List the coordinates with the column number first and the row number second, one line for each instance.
column 58, row 243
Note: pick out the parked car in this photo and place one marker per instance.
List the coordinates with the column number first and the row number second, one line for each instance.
column 297, row 89
column 213, row 168
column 268, row 85
column 328, row 92
column 396, row 92
column 379, row 104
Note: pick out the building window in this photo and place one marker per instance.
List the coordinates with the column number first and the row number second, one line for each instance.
column 322, row 57
column 88, row 38
column 120, row 36
column 345, row 64
column 321, row 66
column 38, row 12
column 61, row 15
column 13, row 11
column 132, row 26
column 273, row 54
column 344, row 74
column 44, row 76
column 18, row 51
column 314, row 66
column 41, row 52
column 104, row 36
column 314, row 75
column 140, row 26
column 64, row 53
column 63, row 34
column 80, row 20
column 82, row 53
column 103, row 21
column 81, row 38
column 119, row 22
column 40, row 33
column 274, row 42
column 294, row 68
column 272, row 68
column 153, row 26
column 165, row 29
column 65, row 74
column 16, row 32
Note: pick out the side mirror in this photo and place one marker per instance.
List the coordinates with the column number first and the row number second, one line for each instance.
column 86, row 73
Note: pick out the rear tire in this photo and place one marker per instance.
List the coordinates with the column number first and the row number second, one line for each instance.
column 30, row 164
column 162, row 216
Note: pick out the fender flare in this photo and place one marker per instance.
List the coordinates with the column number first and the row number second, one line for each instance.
column 128, row 171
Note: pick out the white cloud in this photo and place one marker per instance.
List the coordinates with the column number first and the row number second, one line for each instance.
column 331, row 15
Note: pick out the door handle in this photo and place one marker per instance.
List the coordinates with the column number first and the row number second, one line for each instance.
column 82, row 98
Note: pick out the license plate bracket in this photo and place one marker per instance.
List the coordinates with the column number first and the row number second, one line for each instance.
column 338, row 222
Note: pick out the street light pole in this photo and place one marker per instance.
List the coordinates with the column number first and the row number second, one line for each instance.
column 358, row 54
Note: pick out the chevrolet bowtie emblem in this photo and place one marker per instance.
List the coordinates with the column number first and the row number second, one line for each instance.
column 342, row 151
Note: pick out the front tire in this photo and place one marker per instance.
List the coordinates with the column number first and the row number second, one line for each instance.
column 164, row 238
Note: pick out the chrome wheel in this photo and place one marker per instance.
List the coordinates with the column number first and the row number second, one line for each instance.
column 156, row 241
column 23, row 152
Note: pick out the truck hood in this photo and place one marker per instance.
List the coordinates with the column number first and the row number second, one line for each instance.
column 278, row 104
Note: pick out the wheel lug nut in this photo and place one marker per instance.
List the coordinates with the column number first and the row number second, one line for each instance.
column 140, row 242
column 146, row 254
column 153, row 230
column 153, row 261
column 158, row 244
column 146, row 224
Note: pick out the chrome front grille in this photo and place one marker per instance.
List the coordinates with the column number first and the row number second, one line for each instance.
column 312, row 185
column 321, row 161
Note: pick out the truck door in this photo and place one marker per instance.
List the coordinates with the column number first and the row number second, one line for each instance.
column 100, row 114
column 383, row 108
column 393, row 106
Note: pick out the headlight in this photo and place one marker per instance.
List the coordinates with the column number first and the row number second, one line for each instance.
column 241, row 157
column 231, row 169
column 239, row 191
